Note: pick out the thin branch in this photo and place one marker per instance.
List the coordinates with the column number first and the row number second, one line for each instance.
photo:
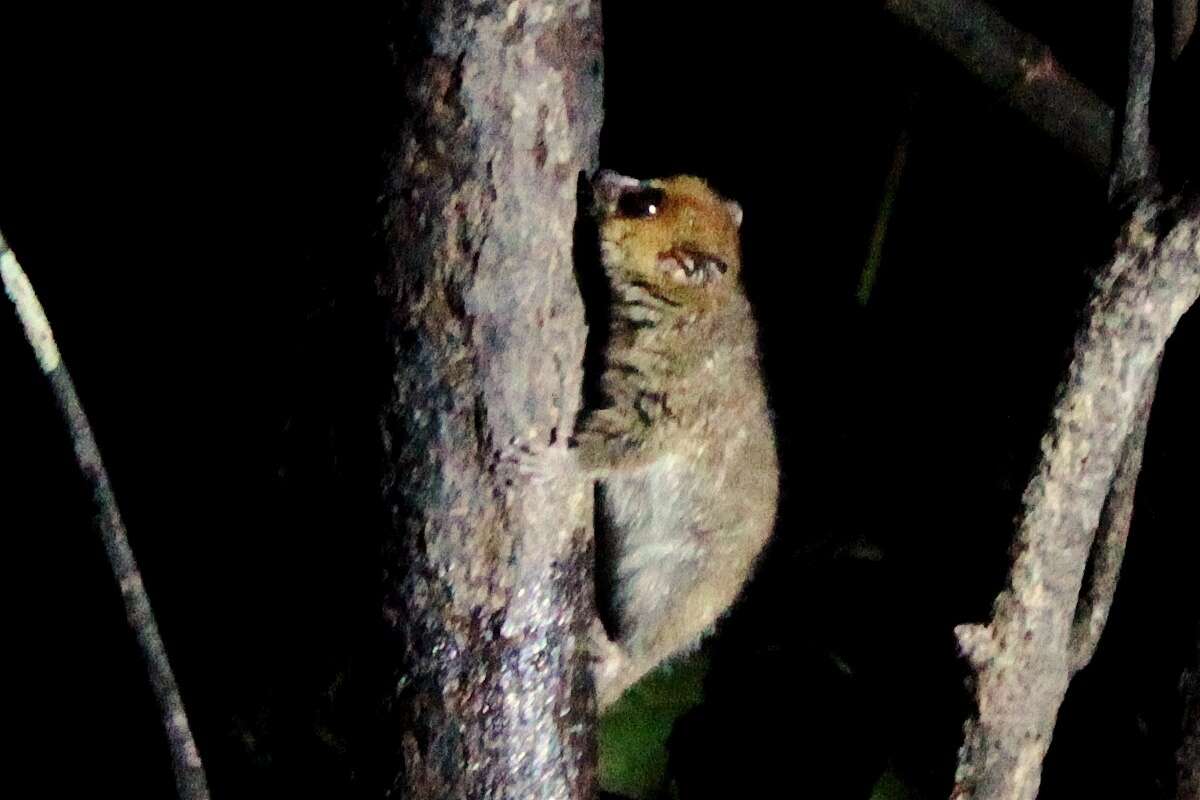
column 1134, row 166
column 1021, row 69
column 190, row 780
column 1108, row 549
column 887, row 204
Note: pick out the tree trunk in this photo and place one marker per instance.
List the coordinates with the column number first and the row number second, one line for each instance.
column 487, row 577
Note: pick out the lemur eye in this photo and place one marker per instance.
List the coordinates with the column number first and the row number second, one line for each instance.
column 640, row 203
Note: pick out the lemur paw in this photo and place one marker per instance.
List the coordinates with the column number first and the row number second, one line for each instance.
column 535, row 461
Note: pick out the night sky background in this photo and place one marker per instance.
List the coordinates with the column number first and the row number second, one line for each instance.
column 193, row 196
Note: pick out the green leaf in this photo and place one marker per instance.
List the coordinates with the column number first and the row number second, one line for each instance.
column 634, row 731
column 890, row 787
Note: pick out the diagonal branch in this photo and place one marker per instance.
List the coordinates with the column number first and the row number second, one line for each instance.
column 190, row 782
column 1019, row 68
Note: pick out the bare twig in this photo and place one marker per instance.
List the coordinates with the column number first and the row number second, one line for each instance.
column 1019, row 68
column 870, row 272
column 190, row 781
column 1134, row 165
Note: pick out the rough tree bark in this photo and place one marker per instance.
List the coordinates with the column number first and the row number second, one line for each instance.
column 488, row 578
column 1046, row 622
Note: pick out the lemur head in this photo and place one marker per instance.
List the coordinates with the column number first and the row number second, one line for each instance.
column 676, row 233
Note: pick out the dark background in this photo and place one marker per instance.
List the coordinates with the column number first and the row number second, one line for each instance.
column 193, row 195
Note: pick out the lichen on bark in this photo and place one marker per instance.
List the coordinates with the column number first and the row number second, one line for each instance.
column 487, row 585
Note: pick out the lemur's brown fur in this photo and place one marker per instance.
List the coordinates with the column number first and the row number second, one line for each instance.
column 682, row 445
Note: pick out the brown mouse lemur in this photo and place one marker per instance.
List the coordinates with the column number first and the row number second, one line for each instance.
column 682, row 442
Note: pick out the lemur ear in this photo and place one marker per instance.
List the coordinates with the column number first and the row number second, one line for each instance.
column 735, row 211
column 607, row 187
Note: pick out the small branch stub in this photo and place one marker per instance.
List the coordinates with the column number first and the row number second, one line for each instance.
column 977, row 644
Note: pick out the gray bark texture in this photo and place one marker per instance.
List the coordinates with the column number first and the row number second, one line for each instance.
column 488, row 576
column 1024, row 658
